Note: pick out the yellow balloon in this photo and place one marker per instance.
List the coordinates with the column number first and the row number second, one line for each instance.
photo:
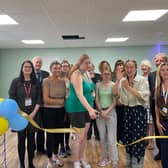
column 1, row 99
column 3, row 125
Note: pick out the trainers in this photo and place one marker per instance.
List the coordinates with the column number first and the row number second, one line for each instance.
column 104, row 162
column 76, row 165
column 85, row 164
column 63, row 153
column 49, row 165
column 59, row 162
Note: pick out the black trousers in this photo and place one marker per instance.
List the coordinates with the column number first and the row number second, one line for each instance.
column 164, row 145
column 67, row 125
column 40, row 135
column 29, row 134
column 54, row 118
column 155, row 126
column 93, row 125
column 120, row 120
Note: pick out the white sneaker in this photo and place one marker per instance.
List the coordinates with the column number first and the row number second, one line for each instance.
column 76, row 165
column 58, row 162
column 104, row 162
column 85, row 164
column 49, row 165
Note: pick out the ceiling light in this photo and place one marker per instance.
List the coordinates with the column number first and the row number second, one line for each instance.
column 144, row 15
column 120, row 39
column 33, row 41
column 7, row 20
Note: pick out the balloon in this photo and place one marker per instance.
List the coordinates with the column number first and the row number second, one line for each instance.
column 18, row 122
column 8, row 108
column 1, row 99
column 3, row 125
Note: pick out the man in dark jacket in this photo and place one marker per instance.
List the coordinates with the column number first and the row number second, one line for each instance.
column 40, row 75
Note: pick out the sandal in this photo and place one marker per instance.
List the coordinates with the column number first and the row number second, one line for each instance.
column 150, row 146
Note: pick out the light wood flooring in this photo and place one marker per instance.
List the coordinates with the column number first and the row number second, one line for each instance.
column 92, row 154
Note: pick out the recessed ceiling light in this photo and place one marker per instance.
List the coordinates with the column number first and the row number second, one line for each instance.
column 144, row 15
column 33, row 41
column 7, row 20
column 119, row 39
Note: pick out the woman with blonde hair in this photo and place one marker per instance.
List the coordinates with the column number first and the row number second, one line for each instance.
column 161, row 109
column 79, row 106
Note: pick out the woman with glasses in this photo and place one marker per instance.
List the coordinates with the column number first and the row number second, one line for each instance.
column 107, row 121
column 27, row 92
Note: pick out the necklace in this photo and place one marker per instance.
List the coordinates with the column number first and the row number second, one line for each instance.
column 85, row 75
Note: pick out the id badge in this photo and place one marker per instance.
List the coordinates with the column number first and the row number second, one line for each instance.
column 165, row 110
column 28, row 101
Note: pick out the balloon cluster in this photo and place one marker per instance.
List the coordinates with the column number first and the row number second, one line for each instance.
column 9, row 116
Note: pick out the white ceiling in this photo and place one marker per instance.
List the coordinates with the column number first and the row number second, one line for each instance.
column 96, row 20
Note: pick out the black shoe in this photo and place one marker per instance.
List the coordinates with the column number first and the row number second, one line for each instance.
column 22, row 166
column 68, row 150
column 88, row 138
column 31, row 165
column 97, row 138
column 157, row 157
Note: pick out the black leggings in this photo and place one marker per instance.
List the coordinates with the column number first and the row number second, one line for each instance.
column 22, row 135
column 53, row 118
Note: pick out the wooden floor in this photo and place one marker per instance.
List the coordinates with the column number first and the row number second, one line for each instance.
column 92, row 154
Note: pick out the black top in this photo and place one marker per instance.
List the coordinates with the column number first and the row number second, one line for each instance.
column 151, row 80
column 97, row 78
column 17, row 92
column 40, row 76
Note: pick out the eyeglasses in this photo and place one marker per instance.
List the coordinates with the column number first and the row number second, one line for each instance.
column 27, row 67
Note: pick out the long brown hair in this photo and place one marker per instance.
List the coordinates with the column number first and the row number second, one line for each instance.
column 105, row 66
column 158, row 85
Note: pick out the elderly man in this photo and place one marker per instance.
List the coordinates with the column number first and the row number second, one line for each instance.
column 40, row 75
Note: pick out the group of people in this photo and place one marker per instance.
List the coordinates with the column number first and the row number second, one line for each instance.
column 117, row 102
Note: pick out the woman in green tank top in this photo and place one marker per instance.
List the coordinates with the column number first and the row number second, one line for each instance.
column 107, row 122
column 79, row 105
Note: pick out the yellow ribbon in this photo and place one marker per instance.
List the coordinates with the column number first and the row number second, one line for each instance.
column 142, row 139
column 78, row 130
column 54, row 130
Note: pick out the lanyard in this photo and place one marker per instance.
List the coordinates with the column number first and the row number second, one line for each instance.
column 27, row 89
column 165, row 94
